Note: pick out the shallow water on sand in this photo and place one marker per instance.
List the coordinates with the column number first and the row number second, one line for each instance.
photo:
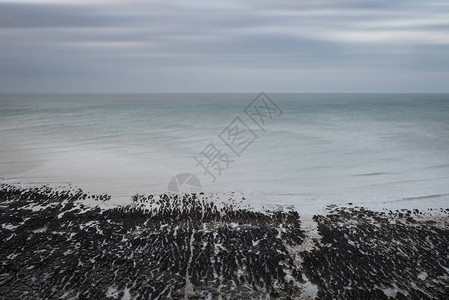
column 324, row 147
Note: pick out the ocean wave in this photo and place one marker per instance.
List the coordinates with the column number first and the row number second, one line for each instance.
column 427, row 196
column 373, row 174
column 442, row 166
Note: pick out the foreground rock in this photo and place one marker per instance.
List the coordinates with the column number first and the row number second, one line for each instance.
column 161, row 247
column 368, row 255
column 53, row 246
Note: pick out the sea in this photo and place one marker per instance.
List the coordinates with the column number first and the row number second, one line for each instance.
column 296, row 149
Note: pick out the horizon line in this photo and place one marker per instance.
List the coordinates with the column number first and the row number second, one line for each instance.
column 141, row 93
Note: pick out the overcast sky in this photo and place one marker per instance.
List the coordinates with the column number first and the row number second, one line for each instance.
column 224, row 46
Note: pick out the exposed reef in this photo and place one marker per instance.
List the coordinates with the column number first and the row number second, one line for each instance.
column 59, row 244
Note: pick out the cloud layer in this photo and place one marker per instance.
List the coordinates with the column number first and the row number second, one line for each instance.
column 233, row 46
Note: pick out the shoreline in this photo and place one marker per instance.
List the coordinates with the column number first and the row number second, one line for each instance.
column 223, row 248
column 306, row 205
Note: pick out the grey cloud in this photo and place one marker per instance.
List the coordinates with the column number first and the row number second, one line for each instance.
column 16, row 15
column 96, row 46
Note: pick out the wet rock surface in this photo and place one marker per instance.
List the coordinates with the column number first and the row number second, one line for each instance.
column 54, row 245
column 370, row 255
column 157, row 248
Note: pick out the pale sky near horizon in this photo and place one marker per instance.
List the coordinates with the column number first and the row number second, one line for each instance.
column 224, row 46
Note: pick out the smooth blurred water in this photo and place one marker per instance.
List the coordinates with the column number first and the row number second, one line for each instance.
column 324, row 146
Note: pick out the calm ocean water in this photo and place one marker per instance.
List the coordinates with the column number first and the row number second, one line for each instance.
column 323, row 146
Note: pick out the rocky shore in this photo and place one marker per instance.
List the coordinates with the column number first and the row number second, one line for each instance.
column 55, row 245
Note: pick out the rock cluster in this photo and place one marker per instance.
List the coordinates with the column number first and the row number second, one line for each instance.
column 371, row 255
column 55, row 246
